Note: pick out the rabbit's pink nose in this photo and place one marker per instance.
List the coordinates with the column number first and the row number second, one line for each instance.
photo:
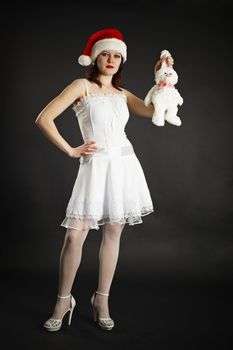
column 169, row 74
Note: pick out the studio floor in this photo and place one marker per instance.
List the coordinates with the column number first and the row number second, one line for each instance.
column 149, row 314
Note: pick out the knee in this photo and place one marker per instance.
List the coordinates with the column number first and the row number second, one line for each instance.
column 113, row 232
column 75, row 237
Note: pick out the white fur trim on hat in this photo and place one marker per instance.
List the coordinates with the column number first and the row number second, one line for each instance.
column 109, row 44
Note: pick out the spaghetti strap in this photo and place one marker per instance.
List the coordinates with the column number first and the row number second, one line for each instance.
column 86, row 84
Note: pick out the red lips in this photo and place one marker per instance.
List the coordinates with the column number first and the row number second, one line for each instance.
column 109, row 66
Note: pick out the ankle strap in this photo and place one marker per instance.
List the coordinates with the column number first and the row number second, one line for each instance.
column 102, row 293
column 65, row 297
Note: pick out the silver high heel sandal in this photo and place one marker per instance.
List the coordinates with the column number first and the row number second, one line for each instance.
column 53, row 324
column 105, row 323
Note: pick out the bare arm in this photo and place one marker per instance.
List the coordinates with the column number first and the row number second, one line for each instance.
column 137, row 106
column 45, row 120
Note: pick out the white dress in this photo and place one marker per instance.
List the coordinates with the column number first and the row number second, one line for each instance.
column 110, row 186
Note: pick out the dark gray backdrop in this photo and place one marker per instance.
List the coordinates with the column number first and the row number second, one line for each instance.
column 188, row 168
column 186, row 242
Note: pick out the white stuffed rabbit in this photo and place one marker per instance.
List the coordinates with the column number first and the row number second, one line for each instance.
column 164, row 96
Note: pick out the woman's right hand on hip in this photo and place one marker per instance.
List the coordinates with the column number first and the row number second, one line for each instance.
column 88, row 147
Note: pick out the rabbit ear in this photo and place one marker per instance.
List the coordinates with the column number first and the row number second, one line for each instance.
column 163, row 65
column 165, row 53
column 158, row 70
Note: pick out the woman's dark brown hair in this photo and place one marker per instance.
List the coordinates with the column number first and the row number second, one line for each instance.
column 92, row 73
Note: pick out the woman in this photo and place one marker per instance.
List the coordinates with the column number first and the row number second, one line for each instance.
column 110, row 188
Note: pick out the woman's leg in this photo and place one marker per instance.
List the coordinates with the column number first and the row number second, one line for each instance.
column 70, row 259
column 108, row 256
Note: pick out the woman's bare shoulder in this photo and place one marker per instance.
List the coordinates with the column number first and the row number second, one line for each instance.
column 75, row 89
column 79, row 82
column 126, row 92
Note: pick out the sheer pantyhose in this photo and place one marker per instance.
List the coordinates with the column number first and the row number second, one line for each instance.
column 70, row 259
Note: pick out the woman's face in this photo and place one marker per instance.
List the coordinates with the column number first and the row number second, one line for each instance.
column 108, row 62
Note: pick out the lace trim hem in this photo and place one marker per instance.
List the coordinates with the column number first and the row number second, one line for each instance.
column 83, row 222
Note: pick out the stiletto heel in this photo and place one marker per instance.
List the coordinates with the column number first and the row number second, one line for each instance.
column 105, row 323
column 70, row 316
column 53, row 324
column 95, row 314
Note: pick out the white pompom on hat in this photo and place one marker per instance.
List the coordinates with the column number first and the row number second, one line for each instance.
column 105, row 39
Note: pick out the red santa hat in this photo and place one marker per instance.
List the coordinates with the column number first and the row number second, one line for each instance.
column 105, row 39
